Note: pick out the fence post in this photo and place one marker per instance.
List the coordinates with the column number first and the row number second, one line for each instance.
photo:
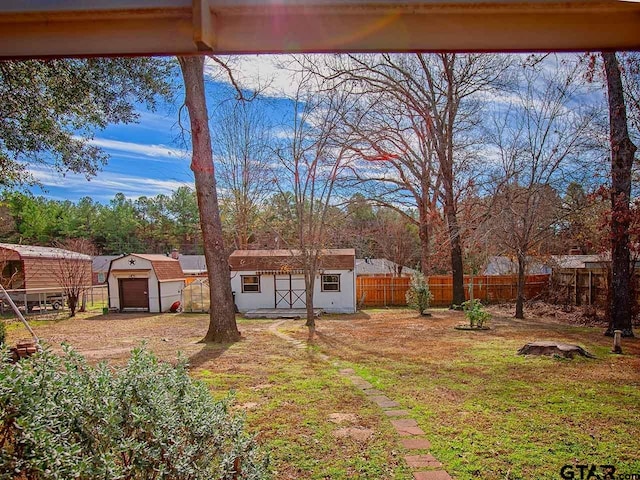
column 590, row 287
column 384, row 293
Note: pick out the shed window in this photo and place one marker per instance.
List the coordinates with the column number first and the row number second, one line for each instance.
column 330, row 283
column 250, row 283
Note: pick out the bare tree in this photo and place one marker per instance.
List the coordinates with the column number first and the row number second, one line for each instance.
column 311, row 162
column 73, row 270
column 397, row 239
column 243, row 146
column 222, row 320
column 622, row 156
column 541, row 140
column 421, row 112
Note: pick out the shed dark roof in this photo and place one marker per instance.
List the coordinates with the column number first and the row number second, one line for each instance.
column 380, row 266
column 250, row 260
column 193, row 263
column 101, row 262
column 33, row 251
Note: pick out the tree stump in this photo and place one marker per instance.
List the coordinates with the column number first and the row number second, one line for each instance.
column 553, row 348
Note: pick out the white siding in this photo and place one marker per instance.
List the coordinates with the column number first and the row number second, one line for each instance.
column 343, row 301
column 141, row 269
column 170, row 292
column 253, row 300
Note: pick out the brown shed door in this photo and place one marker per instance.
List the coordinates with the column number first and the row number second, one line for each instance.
column 134, row 293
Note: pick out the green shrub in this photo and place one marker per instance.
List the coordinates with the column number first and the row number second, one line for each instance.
column 3, row 333
column 61, row 418
column 475, row 313
column 419, row 296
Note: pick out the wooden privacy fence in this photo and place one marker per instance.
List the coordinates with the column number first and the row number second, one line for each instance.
column 383, row 291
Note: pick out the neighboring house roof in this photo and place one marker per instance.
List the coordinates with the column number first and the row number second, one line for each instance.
column 193, row 264
column 380, row 266
column 502, row 265
column 166, row 268
column 250, row 260
column 576, row 261
column 101, row 262
column 31, row 251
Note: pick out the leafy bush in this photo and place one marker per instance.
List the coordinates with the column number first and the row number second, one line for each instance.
column 419, row 296
column 475, row 313
column 61, row 418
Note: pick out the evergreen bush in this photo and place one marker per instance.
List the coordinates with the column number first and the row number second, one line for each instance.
column 61, row 418
column 419, row 296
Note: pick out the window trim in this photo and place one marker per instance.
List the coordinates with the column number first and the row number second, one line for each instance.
column 242, row 283
column 322, row 282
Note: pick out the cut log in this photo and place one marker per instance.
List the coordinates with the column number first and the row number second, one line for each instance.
column 553, row 348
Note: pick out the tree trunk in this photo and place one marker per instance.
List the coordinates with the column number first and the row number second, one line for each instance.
column 72, row 301
column 83, row 304
column 308, row 295
column 425, row 249
column 222, row 320
column 520, row 288
column 622, row 153
column 457, row 268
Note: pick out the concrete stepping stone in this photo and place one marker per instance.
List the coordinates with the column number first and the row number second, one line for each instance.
column 384, row 402
column 347, row 371
column 372, row 391
column 396, row 413
column 422, row 461
column 407, row 427
column 431, row 475
column 361, row 384
column 415, row 443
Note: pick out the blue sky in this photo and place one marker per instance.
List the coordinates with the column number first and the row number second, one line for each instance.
column 150, row 157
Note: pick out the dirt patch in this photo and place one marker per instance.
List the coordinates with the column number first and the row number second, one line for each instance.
column 584, row 316
column 359, row 434
column 342, row 418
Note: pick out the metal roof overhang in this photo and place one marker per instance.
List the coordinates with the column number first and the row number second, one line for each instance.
column 44, row 28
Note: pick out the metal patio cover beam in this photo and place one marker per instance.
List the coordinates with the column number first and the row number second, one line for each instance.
column 42, row 28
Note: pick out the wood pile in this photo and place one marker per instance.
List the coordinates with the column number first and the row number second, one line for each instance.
column 23, row 350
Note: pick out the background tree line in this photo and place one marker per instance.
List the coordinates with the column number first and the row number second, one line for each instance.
column 468, row 150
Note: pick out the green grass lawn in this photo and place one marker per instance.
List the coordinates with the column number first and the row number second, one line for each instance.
column 489, row 413
column 492, row 414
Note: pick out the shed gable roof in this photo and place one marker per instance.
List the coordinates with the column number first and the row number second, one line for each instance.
column 34, row 251
column 249, row 260
column 165, row 268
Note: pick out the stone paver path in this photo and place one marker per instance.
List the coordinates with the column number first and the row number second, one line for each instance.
column 424, row 465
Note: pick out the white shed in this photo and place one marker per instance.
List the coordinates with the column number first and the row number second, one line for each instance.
column 274, row 279
column 139, row 282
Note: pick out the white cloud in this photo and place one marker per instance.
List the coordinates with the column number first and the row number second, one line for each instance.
column 283, row 133
column 156, row 151
column 257, row 72
column 106, row 184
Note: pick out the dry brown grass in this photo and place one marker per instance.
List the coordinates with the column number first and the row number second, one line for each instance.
column 489, row 413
